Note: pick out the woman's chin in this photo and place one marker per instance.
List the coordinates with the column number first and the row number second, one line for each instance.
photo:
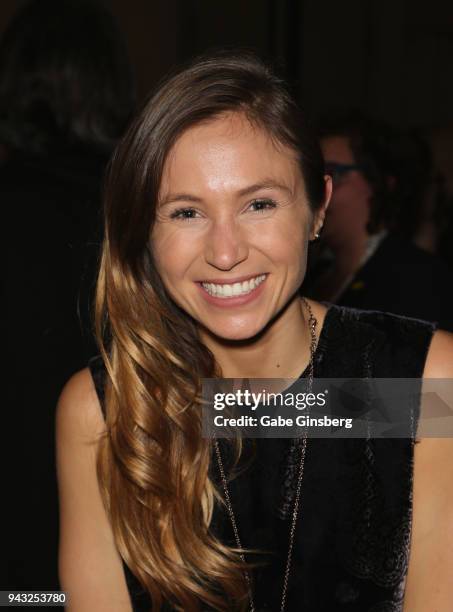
column 230, row 333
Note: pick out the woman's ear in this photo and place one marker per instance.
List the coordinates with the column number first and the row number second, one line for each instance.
column 320, row 213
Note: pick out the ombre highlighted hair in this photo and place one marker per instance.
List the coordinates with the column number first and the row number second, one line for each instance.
column 153, row 463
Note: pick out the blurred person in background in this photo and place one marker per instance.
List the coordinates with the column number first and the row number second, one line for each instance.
column 441, row 141
column 366, row 258
column 434, row 229
column 444, row 219
column 66, row 94
column 419, row 190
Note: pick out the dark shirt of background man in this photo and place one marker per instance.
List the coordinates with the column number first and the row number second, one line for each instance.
column 366, row 257
column 65, row 96
column 404, row 279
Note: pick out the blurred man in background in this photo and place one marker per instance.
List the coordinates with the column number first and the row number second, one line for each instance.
column 369, row 261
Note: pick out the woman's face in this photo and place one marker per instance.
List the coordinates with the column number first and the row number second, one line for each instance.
column 232, row 227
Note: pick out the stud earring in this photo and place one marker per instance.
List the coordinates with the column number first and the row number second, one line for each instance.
column 317, row 236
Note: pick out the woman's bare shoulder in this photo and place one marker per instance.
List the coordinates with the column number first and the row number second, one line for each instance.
column 78, row 406
column 429, row 584
column 439, row 361
column 90, row 567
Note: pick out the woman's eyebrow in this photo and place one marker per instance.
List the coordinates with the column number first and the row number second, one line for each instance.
column 266, row 184
column 179, row 197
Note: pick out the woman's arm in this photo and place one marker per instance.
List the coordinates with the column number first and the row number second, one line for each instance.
column 429, row 585
column 90, row 567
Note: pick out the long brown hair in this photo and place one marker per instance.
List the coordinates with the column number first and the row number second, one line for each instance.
column 153, row 464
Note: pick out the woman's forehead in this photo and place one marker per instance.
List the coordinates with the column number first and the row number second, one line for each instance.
column 228, row 150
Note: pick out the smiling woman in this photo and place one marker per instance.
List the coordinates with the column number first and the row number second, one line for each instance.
column 211, row 200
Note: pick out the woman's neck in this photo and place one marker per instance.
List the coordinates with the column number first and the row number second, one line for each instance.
column 282, row 350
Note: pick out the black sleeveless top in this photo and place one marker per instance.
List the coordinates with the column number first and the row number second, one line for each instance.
column 353, row 532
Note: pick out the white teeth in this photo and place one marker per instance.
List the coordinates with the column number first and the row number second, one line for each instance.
column 235, row 289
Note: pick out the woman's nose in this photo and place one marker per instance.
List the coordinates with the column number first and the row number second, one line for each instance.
column 226, row 245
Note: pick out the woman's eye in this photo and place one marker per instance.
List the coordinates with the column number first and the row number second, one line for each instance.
column 183, row 214
column 262, row 205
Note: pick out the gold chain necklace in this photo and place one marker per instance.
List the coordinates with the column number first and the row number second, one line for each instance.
column 312, row 323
